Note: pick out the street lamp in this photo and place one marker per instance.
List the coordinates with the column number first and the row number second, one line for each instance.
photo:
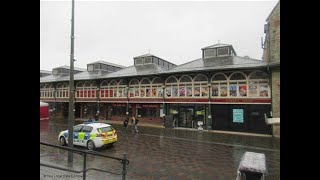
column 163, row 104
column 71, row 92
column 98, row 101
column 209, row 110
column 127, row 93
column 55, row 99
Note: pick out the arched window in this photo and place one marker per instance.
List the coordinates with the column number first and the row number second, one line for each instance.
column 219, row 85
column 62, row 90
column 79, row 90
column 65, row 90
column 258, row 84
column 59, row 90
column 145, row 88
column 87, row 90
column 238, row 85
column 172, row 87
column 134, row 88
column 49, row 90
column 92, row 92
column 113, row 88
column 185, row 86
column 157, row 90
column 200, row 86
column 104, row 89
column 42, row 90
column 122, row 88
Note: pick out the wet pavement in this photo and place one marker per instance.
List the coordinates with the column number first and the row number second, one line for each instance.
column 158, row 153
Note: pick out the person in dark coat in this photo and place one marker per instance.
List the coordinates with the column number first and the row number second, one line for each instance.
column 125, row 124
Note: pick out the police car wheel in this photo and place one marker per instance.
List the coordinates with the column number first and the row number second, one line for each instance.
column 62, row 141
column 90, row 145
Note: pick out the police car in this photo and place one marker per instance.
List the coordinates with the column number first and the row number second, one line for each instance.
column 90, row 135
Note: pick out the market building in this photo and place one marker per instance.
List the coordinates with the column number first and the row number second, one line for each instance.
column 219, row 91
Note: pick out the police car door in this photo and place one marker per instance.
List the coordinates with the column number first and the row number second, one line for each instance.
column 84, row 135
column 76, row 131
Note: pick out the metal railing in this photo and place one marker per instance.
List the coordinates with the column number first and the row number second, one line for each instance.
column 124, row 161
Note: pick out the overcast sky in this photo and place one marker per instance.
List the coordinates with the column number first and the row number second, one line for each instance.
column 172, row 30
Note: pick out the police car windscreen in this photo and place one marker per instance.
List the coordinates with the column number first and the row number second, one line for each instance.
column 105, row 129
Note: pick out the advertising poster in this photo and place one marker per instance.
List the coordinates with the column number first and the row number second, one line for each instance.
column 189, row 91
column 154, row 92
column 142, row 92
column 243, row 90
column 223, row 91
column 120, row 93
column 233, row 90
column 182, row 91
column 136, row 92
column 238, row 115
column 215, row 91
column 148, row 92
column 264, row 91
column 168, row 91
column 131, row 93
column 204, row 91
column 197, row 91
column 125, row 93
column 253, row 90
column 174, row 91
column 160, row 92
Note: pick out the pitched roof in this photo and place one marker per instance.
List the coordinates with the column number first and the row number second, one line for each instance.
column 108, row 63
column 217, row 63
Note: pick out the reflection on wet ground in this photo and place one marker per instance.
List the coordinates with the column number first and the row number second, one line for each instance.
column 157, row 153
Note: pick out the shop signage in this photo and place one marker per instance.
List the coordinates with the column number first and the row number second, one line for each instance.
column 238, row 115
column 150, row 105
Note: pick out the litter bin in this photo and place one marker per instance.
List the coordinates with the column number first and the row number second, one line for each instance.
column 252, row 166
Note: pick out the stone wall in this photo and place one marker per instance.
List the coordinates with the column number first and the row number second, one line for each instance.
column 275, row 93
column 271, row 54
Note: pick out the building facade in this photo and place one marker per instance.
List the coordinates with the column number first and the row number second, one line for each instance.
column 219, row 91
column 271, row 55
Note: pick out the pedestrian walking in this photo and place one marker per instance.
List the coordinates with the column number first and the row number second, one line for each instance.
column 125, row 124
column 134, row 122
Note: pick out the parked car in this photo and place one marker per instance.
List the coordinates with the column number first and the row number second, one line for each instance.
column 90, row 135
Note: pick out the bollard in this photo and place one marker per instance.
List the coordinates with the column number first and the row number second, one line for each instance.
column 84, row 165
column 124, row 166
column 252, row 166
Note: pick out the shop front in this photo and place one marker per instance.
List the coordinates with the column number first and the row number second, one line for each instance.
column 186, row 115
column 241, row 117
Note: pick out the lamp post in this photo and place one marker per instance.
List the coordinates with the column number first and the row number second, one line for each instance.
column 163, row 104
column 55, row 99
column 71, row 92
column 209, row 121
column 127, row 94
column 98, row 100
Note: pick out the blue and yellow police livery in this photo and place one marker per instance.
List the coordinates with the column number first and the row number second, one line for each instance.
column 93, row 135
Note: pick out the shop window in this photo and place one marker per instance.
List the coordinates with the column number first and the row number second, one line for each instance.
column 149, row 112
column 118, row 111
